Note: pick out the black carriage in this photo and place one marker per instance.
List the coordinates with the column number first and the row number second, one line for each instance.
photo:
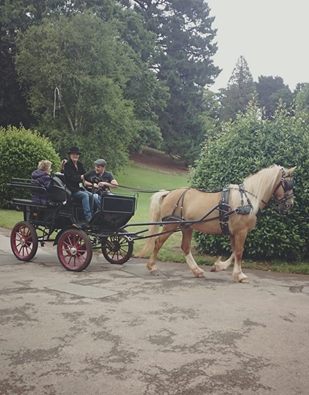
column 59, row 219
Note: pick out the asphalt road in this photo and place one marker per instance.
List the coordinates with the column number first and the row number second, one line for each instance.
column 118, row 330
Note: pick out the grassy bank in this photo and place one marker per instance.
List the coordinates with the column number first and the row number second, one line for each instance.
column 138, row 176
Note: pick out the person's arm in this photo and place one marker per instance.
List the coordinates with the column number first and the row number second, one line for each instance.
column 110, row 183
column 46, row 180
column 88, row 182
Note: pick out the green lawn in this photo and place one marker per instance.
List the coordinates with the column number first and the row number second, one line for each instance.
column 141, row 177
column 147, row 179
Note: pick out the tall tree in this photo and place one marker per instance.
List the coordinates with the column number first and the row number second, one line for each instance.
column 77, row 69
column 148, row 94
column 185, row 38
column 270, row 92
column 239, row 92
column 302, row 99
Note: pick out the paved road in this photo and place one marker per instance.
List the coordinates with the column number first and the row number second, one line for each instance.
column 118, row 330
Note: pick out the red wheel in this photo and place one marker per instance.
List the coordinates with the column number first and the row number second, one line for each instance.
column 24, row 241
column 74, row 250
column 117, row 249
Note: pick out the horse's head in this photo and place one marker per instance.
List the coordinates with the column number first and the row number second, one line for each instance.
column 283, row 192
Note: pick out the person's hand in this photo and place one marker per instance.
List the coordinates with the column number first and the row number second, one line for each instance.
column 95, row 185
column 82, row 177
column 102, row 184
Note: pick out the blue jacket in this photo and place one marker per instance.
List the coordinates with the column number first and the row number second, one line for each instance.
column 42, row 179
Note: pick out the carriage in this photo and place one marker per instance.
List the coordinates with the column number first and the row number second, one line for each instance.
column 57, row 219
column 232, row 211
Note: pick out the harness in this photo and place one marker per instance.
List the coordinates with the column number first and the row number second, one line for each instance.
column 224, row 208
column 224, row 211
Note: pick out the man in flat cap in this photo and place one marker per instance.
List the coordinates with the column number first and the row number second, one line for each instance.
column 99, row 178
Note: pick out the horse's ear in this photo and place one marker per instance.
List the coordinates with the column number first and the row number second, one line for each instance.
column 289, row 172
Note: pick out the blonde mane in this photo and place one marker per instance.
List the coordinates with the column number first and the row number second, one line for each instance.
column 262, row 184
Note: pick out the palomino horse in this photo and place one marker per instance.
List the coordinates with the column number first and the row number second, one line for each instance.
column 232, row 211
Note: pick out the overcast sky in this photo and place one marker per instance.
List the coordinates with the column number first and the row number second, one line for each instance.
column 272, row 35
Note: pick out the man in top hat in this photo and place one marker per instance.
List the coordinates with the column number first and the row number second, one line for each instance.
column 99, row 178
column 74, row 175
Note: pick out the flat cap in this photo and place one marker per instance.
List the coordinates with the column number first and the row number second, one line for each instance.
column 100, row 162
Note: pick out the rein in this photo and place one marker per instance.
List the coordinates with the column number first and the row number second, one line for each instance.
column 139, row 189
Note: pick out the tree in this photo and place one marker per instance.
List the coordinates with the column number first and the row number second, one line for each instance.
column 239, row 92
column 185, row 38
column 302, row 99
column 144, row 88
column 148, row 94
column 271, row 91
column 77, row 69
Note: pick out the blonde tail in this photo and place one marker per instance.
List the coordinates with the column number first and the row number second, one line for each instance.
column 155, row 216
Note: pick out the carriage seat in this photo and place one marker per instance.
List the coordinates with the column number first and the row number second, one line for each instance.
column 29, row 202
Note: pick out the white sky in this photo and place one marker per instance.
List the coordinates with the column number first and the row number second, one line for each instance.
column 272, row 35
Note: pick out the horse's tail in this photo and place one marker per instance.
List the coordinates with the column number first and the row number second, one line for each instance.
column 155, row 216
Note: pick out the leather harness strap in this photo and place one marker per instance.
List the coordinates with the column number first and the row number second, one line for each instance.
column 180, row 202
column 224, row 209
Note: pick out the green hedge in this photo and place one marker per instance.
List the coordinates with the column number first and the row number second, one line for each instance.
column 246, row 146
column 20, row 152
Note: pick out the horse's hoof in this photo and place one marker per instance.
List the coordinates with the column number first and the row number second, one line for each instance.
column 199, row 273
column 244, row 280
column 240, row 278
column 213, row 269
column 151, row 267
column 154, row 272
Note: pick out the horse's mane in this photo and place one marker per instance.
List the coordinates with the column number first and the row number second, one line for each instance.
column 262, row 184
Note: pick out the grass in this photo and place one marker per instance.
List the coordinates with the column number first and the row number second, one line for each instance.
column 141, row 177
column 148, row 179
column 8, row 218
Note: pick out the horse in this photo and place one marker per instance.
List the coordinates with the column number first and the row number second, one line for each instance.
column 232, row 211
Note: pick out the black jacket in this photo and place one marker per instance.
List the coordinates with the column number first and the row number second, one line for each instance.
column 72, row 175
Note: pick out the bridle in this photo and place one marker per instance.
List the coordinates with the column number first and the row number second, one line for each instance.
column 287, row 185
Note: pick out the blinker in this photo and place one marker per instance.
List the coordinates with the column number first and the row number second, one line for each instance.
column 287, row 184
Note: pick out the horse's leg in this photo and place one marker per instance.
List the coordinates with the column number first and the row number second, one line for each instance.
column 223, row 265
column 186, row 248
column 240, row 239
column 160, row 240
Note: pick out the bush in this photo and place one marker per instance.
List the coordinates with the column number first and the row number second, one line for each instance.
column 246, row 146
column 20, row 152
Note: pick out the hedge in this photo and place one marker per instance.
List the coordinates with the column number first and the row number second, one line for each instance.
column 245, row 146
column 20, row 152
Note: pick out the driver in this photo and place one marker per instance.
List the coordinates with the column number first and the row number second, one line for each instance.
column 99, row 178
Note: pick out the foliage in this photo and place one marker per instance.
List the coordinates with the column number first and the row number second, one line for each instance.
column 143, row 88
column 20, row 152
column 239, row 92
column 148, row 94
column 247, row 145
column 16, row 16
column 66, row 61
column 271, row 91
column 302, row 99
column 184, row 64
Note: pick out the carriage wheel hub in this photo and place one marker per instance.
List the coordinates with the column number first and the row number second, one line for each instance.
column 73, row 251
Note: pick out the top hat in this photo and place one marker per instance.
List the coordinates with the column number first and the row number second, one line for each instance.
column 74, row 150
